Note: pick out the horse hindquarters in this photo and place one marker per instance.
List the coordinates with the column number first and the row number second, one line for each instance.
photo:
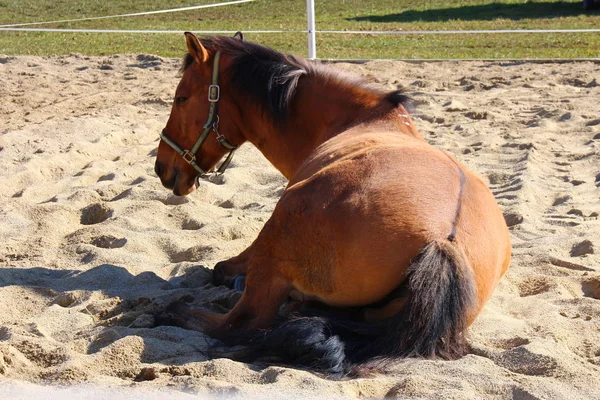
column 431, row 324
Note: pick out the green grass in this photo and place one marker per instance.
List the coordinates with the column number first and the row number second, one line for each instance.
column 330, row 15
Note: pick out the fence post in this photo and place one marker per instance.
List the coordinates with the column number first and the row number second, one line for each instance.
column 310, row 18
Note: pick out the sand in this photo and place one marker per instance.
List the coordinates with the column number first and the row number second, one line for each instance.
column 90, row 242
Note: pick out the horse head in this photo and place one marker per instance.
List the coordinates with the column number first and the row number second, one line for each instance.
column 202, row 126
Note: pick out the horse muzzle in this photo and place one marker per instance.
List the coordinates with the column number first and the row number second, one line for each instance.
column 167, row 179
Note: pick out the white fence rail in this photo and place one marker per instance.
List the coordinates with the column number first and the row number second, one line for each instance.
column 170, row 10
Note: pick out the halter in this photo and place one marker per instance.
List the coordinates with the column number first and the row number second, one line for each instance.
column 212, row 124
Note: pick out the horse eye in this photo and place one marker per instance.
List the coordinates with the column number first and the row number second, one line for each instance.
column 180, row 100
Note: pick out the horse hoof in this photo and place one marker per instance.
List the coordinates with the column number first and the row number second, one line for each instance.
column 239, row 282
column 220, row 277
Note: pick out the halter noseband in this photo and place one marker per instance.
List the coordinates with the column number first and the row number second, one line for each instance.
column 212, row 124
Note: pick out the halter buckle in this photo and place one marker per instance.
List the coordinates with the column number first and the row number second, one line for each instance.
column 188, row 157
column 214, row 93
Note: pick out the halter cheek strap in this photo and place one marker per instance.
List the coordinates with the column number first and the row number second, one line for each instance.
column 212, row 124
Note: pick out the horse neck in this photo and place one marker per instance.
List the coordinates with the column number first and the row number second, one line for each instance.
column 323, row 107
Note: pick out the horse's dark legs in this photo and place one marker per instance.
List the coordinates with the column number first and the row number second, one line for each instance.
column 225, row 272
column 257, row 308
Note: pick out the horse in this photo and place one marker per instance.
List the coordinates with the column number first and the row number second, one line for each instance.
column 381, row 246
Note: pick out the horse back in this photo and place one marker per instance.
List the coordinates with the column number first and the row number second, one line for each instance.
column 398, row 178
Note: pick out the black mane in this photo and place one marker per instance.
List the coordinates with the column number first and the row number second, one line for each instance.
column 268, row 76
column 265, row 74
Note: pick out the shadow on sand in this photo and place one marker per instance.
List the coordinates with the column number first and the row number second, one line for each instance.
column 138, row 298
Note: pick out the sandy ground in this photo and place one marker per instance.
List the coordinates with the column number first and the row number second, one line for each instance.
column 90, row 241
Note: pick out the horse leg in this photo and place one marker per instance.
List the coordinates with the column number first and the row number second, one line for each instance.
column 257, row 308
column 225, row 272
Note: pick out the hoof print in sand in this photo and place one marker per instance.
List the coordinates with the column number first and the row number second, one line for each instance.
column 523, row 360
column 95, row 213
column 561, row 199
column 534, row 285
column 109, row 242
column 107, row 177
column 146, row 374
column 513, row 219
column 193, row 254
column 591, row 288
column 582, row 248
column 191, row 225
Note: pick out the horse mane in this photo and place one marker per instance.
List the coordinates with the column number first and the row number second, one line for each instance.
column 271, row 78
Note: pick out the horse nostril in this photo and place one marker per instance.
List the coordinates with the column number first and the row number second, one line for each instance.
column 157, row 169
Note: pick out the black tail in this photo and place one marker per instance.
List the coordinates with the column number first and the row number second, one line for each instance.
column 430, row 324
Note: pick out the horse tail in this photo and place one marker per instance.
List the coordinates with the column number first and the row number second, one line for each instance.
column 442, row 296
column 431, row 323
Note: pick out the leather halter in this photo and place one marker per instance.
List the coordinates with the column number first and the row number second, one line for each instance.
column 212, row 124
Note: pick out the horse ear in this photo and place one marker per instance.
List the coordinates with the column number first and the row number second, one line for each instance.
column 239, row 35
column 195, row 48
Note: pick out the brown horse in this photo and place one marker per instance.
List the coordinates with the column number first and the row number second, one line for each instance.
column 399, row 243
